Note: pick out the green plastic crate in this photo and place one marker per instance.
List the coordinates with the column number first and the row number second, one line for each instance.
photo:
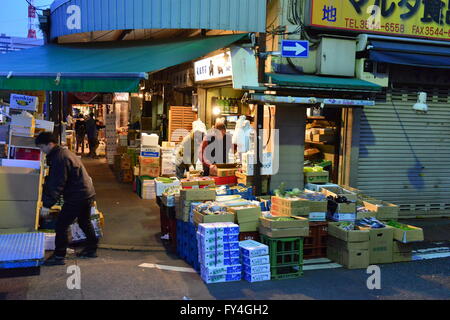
column 284, row 252
column 286, row 272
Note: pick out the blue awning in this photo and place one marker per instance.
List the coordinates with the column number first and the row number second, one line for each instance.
column 428, row 56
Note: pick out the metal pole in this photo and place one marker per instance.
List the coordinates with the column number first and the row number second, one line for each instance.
column 260, row 114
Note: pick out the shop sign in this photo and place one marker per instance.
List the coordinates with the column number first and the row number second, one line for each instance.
column 22, row 102
column 121, row 96
column 412, row 18
column 244, row 62
column 213, row 68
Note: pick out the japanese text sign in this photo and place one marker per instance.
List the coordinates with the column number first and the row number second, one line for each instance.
column 416, row 18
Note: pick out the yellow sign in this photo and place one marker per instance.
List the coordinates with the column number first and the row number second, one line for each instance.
column 412, row 18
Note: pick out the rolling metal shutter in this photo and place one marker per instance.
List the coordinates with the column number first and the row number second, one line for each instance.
column 404, row 156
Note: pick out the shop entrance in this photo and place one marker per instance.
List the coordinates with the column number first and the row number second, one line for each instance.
column 323, row 140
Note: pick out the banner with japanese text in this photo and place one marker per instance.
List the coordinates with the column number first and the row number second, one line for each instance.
column 412, row 18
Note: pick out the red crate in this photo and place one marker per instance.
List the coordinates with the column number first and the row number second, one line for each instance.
column 315, row 246
column 27, row 154
column 249, row 236
column 220, row 181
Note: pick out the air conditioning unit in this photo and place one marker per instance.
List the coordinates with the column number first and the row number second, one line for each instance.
column 336, row 57
column 374, row 72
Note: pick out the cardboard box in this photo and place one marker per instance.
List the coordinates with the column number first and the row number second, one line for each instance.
column 250, row 249
column 246, row 213
column 18, row 215
column 346, row 208
column 406, row 236
column 323, row 131
column 161, row 186
column 384, row 210
column 198, row 194
column 226, row 172
column 317, row 177
column 249, row 226
column 125, row 162
column 351, row 259
column 152, row 172
column 285, row 211
column 380, row 247
column 149, row 161
column 201, row 218
column 340, row 192
column 126, row 176
column 341, row 217
column 323, row 138
column 401, row 252
column 297, row 222
column 284, row 233
column 19, row 184
column 332, row 241
column 313, row 206
column 248, row 181
column 348, row 236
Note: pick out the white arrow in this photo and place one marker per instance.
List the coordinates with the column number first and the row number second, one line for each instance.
column 299, row 49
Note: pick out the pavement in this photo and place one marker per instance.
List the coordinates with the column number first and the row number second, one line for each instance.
column 132, row 223
column 116, row 275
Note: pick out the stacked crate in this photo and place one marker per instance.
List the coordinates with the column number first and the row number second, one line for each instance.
column 315, row 246
column 286, row 257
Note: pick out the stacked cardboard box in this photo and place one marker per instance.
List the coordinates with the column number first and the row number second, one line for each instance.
column 219, row 255
column 404, row 235
column 168, row 167
column 314, row 210
column 197, row 182
column 284, row 227
column 226, row 170
column 19, row 198
column 191, row 197
column 247, row 217
column 161, row 184
column 111, row 137
column 249, row 161
column 149, row 166
column 255, row 260
column 401, row 252
column 147, row 189
column 23, row 124
column 125, row 173
column 348, row 247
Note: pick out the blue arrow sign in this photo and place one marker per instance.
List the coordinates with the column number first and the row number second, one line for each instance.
column 295, row 49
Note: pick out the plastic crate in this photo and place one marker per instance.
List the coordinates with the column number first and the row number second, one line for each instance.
column 284, row 252
column 315, row 246
column 286, row 272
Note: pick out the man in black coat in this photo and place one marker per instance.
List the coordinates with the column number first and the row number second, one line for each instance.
column 69, row 178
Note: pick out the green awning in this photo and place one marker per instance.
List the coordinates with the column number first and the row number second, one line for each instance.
column 100, row 67
column 311, row 81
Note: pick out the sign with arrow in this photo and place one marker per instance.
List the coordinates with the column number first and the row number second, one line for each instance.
column 295, row 49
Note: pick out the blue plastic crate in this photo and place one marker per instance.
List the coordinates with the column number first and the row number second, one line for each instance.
column 24, row 250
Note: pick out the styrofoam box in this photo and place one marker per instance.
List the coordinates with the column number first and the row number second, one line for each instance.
column 258, row 277
column 256, row 261
column 263, row 268
column 214, row 271
column 250, row 248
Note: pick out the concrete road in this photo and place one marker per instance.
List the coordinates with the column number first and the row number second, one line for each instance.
column 117, row 275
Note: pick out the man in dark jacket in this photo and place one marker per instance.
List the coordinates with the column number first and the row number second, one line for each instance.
column 92, row 127
column 69, row 178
